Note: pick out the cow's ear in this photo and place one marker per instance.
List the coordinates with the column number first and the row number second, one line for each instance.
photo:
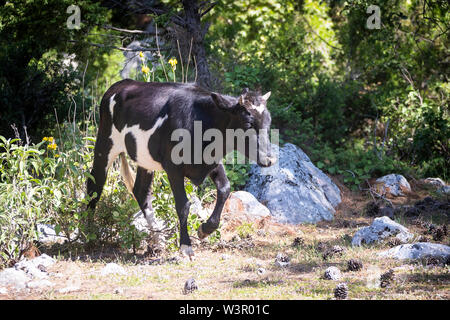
column 242, row 97
column 221, row 102
column 266, row 96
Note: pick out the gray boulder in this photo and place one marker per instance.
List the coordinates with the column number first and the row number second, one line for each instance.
column 394, row 184
column 417, row 250
column 294, row 190
column 380, row 229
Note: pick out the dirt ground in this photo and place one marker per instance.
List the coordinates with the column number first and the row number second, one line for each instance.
column 245, row 268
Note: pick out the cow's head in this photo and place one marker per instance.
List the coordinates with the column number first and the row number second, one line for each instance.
column 250, row 113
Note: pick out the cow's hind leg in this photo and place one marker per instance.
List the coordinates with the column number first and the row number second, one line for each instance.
column 142, row 191
column 219, row 177
column 104, row 156
column 182, row 206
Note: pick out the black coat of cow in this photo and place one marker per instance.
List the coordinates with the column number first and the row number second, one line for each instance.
column 139, row 118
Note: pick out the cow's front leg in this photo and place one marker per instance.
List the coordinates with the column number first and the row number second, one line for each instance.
column 219, row 177
column 182, row 206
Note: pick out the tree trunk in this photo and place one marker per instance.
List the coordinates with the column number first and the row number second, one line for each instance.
column 197, row 32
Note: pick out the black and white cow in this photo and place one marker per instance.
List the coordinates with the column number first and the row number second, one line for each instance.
column 139, row 118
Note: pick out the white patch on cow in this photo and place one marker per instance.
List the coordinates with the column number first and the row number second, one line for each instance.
column 260, row 108
column 143, row 157
column 112, row 103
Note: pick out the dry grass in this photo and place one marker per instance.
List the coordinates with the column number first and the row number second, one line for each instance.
column 224, row 272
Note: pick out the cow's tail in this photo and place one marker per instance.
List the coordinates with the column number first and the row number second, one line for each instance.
column 126, row 173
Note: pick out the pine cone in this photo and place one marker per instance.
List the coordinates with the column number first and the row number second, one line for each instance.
column 341, row 291
column 386, row 278
column 433, row 261
column 190, row 286
column 354, row 265
column 297, row 242
column 321, row 246
column 335, row 250
column 438, row 234
column 372, row 209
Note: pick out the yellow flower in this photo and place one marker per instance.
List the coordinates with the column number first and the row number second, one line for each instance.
column 173, row 62
column 50, row 139
column 52, row 146
column 141, row 54
column 45, row 139
column 145, row 69
column 56, row 155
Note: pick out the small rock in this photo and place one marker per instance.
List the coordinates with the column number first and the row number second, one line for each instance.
column 380, row 229
column 245, row 203
column 394, row 184
column 282, row 260
column 113, row 268
column 332, row 273
column 261, row 271
column 47, row 234
column 354, row 265
column 3, row 291
column 341, row 291
column 190, row 286
column 435, row 182
column 118, row 291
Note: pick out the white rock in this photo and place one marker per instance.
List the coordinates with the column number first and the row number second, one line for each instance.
column 380, row 229
column 152, row 226
column 245, row 202
column 15, row 278
column 3, row 291
column 31, row 267
column 436, row 182
column 294, row 190
column 332, row 273
column 47, row 234
column 44, row 260
column 113, row 268
column 282, row 260
column 394, row 184
column 261, row 271
column 417, row 251
column 444, row 189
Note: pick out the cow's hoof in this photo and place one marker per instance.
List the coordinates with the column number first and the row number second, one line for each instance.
column 201, row 234
column 187, row 251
